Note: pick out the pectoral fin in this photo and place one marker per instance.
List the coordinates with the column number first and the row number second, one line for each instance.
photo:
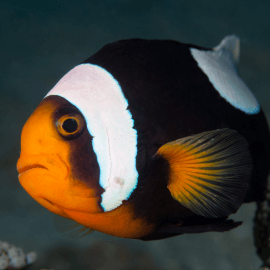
column 70, row 227
column 209, row 172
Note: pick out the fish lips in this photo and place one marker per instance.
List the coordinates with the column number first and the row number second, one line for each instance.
column 46, row 179
column 29, row 167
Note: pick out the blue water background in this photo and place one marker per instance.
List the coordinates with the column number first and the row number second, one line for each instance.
column 42, row 40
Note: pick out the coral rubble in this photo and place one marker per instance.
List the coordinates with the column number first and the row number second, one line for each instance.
column 12, row 257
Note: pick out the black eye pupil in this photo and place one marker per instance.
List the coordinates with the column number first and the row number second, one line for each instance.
column 70, row 125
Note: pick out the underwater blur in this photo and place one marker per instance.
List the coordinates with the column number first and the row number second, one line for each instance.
column 45, row 41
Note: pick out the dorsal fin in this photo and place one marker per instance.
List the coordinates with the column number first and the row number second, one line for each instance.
column 209, row 172
column 229, row 49
column 219, row 65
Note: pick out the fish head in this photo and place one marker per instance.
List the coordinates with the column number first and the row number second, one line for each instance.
column 57, row 165
column 79, row 149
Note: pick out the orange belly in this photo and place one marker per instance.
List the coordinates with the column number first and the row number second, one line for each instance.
column 120, row 222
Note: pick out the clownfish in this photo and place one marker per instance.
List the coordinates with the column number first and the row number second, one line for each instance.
column 148, row 139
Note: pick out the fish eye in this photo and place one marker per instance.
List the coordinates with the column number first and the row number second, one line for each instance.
column 70, row 125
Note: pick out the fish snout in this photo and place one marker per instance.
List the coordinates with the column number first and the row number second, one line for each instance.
column 52, row 163
column 48, row 180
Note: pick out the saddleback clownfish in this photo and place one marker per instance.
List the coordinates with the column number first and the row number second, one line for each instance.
column 148, row 139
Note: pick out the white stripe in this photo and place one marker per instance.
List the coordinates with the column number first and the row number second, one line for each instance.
column 99, row 97
column 219, row 67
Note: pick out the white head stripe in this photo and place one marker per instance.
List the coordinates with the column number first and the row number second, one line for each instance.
column 99, row 97
column 218, row 65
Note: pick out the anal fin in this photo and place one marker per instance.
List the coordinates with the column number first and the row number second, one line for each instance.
column 171, row 231
column 223, row 226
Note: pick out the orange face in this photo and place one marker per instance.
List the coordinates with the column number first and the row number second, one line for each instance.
column 59, row 169
column 47, row 153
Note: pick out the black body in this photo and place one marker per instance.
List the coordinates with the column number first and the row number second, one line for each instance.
column 169, row 98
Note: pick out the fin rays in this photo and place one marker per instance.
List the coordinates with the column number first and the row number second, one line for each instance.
column 209, row 172
column 70, row 227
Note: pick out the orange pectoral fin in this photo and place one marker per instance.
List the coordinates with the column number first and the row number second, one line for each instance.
column 209, row 172
column 70, row 227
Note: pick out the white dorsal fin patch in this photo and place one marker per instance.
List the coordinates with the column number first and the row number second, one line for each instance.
column 232, row 45
column 219, row 66
column 99, row 97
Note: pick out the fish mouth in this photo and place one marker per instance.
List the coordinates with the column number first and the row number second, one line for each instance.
column 27, row 168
